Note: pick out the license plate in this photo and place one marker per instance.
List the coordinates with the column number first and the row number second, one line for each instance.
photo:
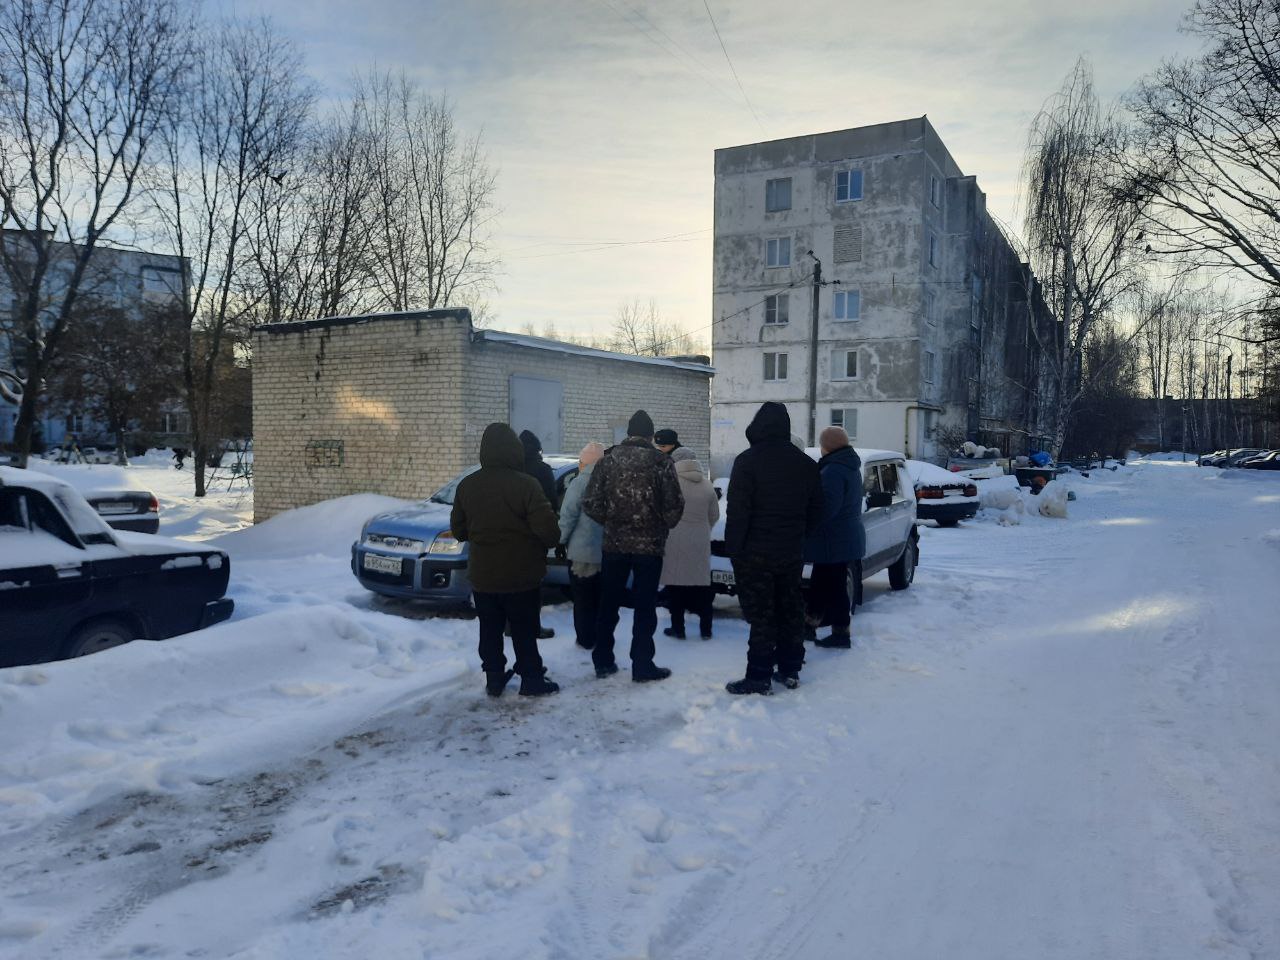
column 381, row 564
column 724, row 577
column 114, row 507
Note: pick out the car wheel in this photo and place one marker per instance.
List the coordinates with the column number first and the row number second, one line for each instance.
column 98, row 636
column 948, row 523
column 904, row 570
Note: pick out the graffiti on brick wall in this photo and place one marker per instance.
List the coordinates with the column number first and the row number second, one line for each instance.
column 325, row 453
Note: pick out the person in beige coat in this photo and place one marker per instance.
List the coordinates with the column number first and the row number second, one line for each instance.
column 686, row 565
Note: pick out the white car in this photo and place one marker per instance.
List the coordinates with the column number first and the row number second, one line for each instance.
column 889, row 519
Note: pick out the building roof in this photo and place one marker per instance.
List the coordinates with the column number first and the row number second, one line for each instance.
column 321, row 323
column 542, row 343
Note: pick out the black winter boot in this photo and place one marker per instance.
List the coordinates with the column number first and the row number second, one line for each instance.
column 608, row 670
column 837, row 641
column 675, row 632
column 648, row 672
column 749, row 685
column 788, row 680
column 537, row 685
column 496, row 681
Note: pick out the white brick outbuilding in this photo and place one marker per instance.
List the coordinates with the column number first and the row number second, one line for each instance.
column 396, row 403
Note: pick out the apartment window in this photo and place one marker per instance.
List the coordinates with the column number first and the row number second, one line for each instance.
column 935, row 190
column 848, row 305
column 775, row 366
column 777, row 194
column 777, row 252
column 848, row 185
column 176, row 421
column 934, row 253
column 928, row 366
column 161, row 280
column 777, row 308
column 930, row 308
column 846, row 417
column 844, row 364
column 75, row 423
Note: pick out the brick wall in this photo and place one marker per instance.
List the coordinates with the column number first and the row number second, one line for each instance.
column 600, row 394
column 389, row 391
column 396, row 404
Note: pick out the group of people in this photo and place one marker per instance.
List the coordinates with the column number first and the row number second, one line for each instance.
column 637, row 518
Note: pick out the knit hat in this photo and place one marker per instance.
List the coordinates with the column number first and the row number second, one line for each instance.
column 681, row 454
column 640, row 425
column 666, row 437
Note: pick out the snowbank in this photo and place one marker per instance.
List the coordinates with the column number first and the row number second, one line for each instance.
column 327, row 528
column 163, row 716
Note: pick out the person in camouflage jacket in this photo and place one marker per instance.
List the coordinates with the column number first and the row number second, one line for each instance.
column 635, row 495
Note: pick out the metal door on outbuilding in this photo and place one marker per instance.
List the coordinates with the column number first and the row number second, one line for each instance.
column 538, row 405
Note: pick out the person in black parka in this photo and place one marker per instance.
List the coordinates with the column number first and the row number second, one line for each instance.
column 839, row 543
column 774, row 502
column 536, row 467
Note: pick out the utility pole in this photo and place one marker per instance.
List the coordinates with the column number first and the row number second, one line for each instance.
column 813, row 354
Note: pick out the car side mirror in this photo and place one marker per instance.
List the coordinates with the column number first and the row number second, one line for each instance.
column 879, row 499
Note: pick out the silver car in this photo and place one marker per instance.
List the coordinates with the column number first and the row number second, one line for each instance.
column 889, row 519
column 411, row 553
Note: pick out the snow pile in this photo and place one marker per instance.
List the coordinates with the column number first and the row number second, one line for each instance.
column 1004, row 499
column 325, row 529
column 1052, row 500
column 167, row 716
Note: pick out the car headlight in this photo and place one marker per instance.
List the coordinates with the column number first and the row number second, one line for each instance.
column 445, row 543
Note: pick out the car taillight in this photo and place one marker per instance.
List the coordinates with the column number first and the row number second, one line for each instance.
column 954, row 468
column 154, row 505
column 929, row 493
column 970, row 490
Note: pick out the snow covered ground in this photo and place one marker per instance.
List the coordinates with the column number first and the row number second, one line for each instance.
column 1062, row 742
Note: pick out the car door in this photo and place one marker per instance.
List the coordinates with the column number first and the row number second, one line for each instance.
column 875, row 520
column 895, row 479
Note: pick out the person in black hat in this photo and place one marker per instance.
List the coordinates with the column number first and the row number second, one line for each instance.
column 667, row 441
column 635, row 495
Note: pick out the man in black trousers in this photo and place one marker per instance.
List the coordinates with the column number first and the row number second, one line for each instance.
column 774, row 503
column 504, row 515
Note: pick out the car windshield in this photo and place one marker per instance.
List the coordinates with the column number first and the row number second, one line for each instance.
column 446, row 493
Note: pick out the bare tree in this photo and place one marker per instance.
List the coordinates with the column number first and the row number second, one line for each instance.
column 1080, row 226
column 639, row 328
column 85, row 85
column 1210, row 157
column 433, row 198
column 245, row 119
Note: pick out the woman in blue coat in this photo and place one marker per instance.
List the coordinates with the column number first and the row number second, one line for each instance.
column 839, row 543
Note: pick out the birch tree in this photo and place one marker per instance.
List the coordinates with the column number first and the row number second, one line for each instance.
column 1080, row 226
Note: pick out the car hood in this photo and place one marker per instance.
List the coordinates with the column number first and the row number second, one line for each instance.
column 422, row 521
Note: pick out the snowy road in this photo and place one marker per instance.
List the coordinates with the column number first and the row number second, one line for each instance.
column 1062, row 742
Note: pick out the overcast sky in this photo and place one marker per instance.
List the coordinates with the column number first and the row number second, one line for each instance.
column 602, row 115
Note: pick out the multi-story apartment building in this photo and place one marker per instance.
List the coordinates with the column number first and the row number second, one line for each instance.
column 927, row 323
column 132, row 280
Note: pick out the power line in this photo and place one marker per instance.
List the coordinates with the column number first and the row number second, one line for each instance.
column 706, row 6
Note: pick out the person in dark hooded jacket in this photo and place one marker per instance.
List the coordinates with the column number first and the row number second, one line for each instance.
column 510, row 525
column 536, row 467
column 839, row 542
column 774, row 502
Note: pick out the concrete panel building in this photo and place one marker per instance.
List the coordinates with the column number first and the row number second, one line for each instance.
column 922, row 331
column 396, row 403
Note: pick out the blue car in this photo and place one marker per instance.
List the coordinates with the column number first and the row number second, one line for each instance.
column 411, row 553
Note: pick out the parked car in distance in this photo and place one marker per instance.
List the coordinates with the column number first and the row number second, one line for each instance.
column 942, row 496
column 411, row 554
column 980, row 468
column 72, row 586
column 113, row 492
column 1207, row 459
column 1237, row 457
column 889, row 520
column 1266, row 461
